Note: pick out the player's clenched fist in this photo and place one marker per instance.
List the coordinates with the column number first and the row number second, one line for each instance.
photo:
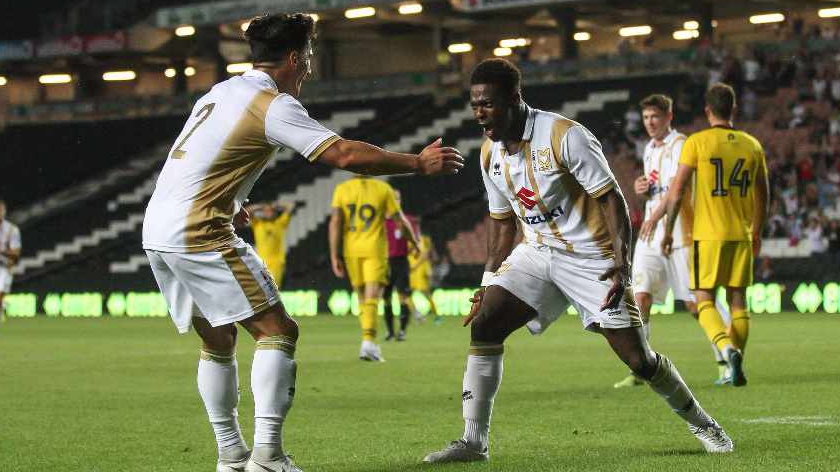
column 436, row 159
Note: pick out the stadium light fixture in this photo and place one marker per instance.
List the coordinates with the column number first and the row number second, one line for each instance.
column 829, row 12
column 239, row 67
column 502, row 52
column 514, row 42
column 119, row 75
column 410, row 8
column 189, row 71
column 3, row 81
column 582, row 36
column 185, row 30
column 628, row 31
column 55, row 79
column 459, row 48
column 362, row 12
column 767, row 18
column 170, row 72
column 691, row 25
column 682, row 35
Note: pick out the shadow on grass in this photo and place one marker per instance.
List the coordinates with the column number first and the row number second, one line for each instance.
column 679, row 452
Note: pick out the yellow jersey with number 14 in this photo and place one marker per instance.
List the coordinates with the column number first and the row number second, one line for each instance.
column 365, row 203
column 726, row 163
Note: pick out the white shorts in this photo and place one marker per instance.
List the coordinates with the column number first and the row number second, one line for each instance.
column 654, row 273
column 223, row 286
column 548, row 280
column 6, row 280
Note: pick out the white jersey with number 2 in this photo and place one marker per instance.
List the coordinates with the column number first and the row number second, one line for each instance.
column 225, row 145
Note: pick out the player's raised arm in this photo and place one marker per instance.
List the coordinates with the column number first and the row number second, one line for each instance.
column 675, row 197
column 364, row 158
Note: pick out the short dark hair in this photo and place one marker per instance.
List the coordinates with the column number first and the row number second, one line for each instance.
column 272, row 37
column 658, row 100
column 721, row 100
column 499, row 72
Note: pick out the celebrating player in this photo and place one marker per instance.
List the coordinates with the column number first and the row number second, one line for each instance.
column 269, row 221
column 550, row 174
column 730, row 208
column 9, row 255
column 210, row 278
column 400, row 232
column 654, row 273
column 359, row 248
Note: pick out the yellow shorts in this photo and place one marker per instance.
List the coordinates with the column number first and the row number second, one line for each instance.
column 420, row 280
column 365, row 270
column 721, row 263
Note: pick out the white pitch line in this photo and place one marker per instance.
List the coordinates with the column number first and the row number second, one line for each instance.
column 795, row 420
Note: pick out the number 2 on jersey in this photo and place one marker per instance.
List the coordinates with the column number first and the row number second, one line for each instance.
column 736, row 179
column 366, row 213
column 204, row 113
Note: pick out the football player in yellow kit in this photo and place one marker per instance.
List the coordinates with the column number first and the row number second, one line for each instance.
column 730, row 208
column 269, row 222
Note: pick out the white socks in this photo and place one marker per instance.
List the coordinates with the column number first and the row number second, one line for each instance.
column 671, row 387
column 481, row 382
column 273, row 383
column 218, row 385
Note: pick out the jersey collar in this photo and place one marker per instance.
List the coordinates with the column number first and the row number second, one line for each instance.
column 528, row 134
column 261, row 77
column 669, row 138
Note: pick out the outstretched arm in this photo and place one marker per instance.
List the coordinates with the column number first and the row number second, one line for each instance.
column 614, row 208
column 364, row 158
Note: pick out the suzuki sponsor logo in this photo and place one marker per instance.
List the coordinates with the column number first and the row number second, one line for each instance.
column 550, row 215
column 527, row 198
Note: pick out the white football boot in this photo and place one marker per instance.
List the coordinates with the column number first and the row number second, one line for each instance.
column 233, row 459
column 457, row 451
column 371, row 352
column 713, row 437
column 266, row 460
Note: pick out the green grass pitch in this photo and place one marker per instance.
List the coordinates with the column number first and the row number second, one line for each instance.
column 119, row 395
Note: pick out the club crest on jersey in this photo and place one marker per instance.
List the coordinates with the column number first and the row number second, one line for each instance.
column 542, row 160
column 526, row 197
column 497, row 169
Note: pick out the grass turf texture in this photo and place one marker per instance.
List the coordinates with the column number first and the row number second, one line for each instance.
column 120, row 395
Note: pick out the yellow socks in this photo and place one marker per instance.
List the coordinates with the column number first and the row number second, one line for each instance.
column 368, row 318
column 739, row 330
column 712, row 324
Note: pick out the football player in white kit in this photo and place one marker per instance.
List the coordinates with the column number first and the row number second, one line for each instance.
column 653, row 272
column 548, row 175
column 210, row 278
column 9, row 255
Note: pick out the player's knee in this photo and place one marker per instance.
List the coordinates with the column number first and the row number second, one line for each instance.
column 221, row 339
column 483, row 329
